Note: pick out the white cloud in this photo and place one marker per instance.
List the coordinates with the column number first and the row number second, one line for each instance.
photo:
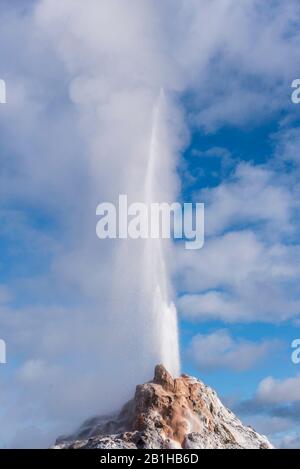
column 270, row 307
column 223, row 261
column 269, row 425
column 5, row 294
column 254, row 195
column 288, row 145
column 274, row 410
column 274, row 391
column 291, row 441
column 248, row 269
column 237, row 277
column 220, row 350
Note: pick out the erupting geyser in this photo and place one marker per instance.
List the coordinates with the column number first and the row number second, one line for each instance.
column 142, row 313
column 162, row 309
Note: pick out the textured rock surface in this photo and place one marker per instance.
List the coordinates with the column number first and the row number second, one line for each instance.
column 168, row 413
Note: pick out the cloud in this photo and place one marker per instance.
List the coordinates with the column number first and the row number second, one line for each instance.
column 219, row 350
column 274, row 391
column 288, row 145
column 247, row 83
column 268, row 425
column 253, row 195
column 5, row 294
column 281, row 431
column 274, row 409
column 237, row 277
column 290, row 442
column 248, row 268
column 216, row 305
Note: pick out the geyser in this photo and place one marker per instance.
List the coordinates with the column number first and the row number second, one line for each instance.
column 147, row 331
column 162, row 309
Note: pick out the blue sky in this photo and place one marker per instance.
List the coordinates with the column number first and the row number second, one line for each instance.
column 80, row 94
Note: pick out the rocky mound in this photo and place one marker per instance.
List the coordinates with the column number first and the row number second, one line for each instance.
column 168, row 413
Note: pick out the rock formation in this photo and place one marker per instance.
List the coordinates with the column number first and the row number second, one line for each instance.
column 180, row 413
